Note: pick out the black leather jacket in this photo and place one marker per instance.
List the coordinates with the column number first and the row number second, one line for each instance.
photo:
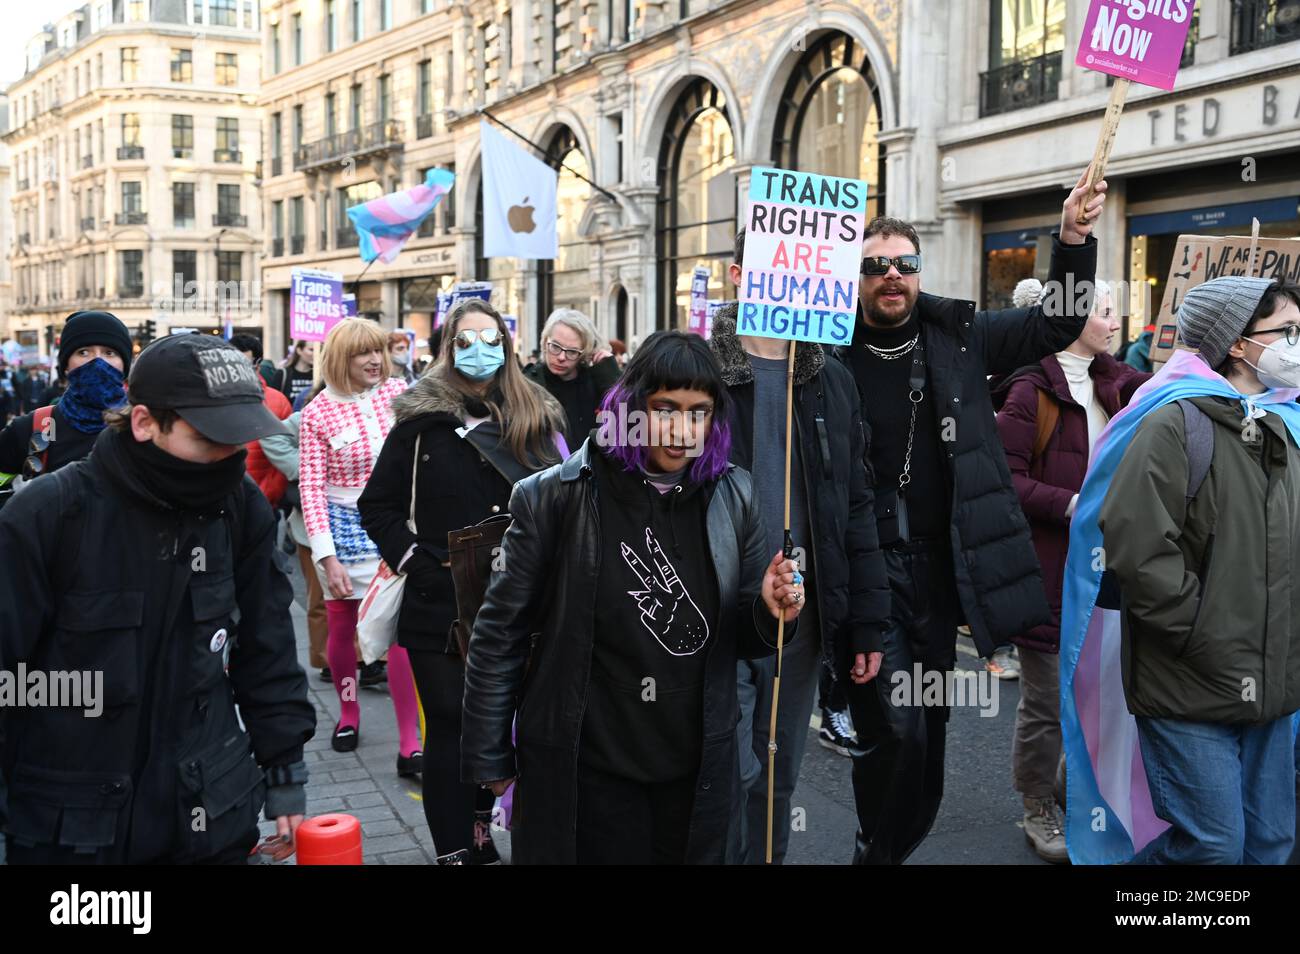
column 547, row 587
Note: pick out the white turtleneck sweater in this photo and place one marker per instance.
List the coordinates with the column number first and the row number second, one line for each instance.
column 1085, row 395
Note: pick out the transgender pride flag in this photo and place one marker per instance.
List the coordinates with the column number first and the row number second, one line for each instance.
column 384, row 224
column 1109, row 816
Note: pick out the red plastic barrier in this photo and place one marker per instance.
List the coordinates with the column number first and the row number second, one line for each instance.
column 333, row 839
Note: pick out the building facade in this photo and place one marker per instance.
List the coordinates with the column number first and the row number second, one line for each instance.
column 134, row 146
column 6, row 224
column 966, row 117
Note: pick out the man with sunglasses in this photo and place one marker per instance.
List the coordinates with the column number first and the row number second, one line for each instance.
column 956, row 544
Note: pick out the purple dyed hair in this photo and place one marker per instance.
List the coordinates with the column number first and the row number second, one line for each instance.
column 667, row 361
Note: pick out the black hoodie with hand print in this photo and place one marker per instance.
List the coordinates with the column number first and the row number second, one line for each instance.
column 656, row 609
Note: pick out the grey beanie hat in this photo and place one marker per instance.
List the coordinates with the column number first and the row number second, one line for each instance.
column 1214, row 314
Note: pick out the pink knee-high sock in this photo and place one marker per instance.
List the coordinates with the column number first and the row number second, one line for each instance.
column 342, row 656
column 406, row 705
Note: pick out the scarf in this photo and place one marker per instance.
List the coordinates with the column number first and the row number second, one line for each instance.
column 93, row 388
column 1102, row 756
column 181, row 484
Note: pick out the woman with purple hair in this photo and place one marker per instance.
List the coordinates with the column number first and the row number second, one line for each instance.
column 632, row 578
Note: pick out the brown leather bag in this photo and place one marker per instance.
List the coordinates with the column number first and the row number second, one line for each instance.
column 471, row 552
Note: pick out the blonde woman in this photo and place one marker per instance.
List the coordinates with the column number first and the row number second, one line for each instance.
column 575, row 369
column 343, row 429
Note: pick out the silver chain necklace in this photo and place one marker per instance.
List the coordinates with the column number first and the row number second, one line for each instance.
column 892, row 354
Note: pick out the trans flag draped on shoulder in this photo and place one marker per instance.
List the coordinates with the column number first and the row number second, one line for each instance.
column 1109, row 815
column 384, row 224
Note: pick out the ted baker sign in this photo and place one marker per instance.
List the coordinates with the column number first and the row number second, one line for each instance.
column 1138, row 40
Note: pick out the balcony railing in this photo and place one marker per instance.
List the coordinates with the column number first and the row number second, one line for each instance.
column 1020, row 85
column 182, row 152
column 130, row 152
column 1257, row 24
column 296, row 244
column 130, row 291
column 277, row 247
column 345, row 238
column 131, row 218
column 88, row 223
column 378, row 137
column 230, row 219
column 423, row 126
column 227, row 155
column 277, row 166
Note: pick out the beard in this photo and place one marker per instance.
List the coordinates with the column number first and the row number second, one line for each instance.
column 885, row 313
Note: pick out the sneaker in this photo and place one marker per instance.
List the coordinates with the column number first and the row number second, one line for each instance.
column 1003, row 664
column 373, row 676
column 454, row 858
column 837, row 733
column 484, row 851
column 1043, row 830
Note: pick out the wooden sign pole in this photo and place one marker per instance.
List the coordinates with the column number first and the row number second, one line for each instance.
column 780, row 620
column 1105, row 142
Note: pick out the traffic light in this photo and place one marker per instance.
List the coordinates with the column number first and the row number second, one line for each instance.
column 146, row 332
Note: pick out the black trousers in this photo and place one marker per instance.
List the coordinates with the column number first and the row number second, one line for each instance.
column 898, row 777
column 449, row 803
column 621, row 822
column 15, row 854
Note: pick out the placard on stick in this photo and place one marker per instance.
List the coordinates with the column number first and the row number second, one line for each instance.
column 315, row 303
column 803, row 256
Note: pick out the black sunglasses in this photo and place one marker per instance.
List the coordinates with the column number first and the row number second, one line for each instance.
column 879, row 264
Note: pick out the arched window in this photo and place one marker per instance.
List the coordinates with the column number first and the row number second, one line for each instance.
column 829, row 117
column 696, row 216
column 620, row 315
column 564, row 282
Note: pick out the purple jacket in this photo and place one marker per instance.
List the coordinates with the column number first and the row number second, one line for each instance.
column 1046, row 485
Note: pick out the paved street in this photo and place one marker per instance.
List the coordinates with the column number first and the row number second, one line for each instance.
column 977, row 823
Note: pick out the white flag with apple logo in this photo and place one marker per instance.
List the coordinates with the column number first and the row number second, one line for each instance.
column 518, row 200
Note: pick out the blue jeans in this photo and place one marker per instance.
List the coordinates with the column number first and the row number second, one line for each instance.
column 1228, row 791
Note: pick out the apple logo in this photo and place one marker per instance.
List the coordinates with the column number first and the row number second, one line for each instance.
column 520, row 217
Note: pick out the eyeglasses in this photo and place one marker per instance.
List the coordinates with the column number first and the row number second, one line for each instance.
column 489, row 336
column 1292, row 333
column 879, row 264
column 573, row 354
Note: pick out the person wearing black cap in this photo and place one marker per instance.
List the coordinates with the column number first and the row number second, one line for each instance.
column 94, row 358
column 137, row 563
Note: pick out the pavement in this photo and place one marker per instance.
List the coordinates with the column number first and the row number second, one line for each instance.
column 978, row 822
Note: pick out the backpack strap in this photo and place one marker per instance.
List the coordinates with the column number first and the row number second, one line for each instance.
column 1049, row 412
column 1198, row 435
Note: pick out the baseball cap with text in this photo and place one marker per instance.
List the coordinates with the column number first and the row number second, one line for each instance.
column 208, row 383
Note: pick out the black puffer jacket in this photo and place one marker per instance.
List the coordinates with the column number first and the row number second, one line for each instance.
column 551, row 554
column 851, row 588
column 109, row 579
column 454, row 488
column 998, row 580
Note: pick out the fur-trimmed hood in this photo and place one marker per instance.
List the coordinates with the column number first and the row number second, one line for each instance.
column 432, row 395
column 809, row 358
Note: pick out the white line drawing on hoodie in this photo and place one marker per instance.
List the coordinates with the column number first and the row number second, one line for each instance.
column 667, row 610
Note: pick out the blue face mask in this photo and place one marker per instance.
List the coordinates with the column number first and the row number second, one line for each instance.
column 479, row 362
column 93, row 388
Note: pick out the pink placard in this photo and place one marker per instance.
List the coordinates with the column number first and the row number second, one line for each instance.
column 1138, row 40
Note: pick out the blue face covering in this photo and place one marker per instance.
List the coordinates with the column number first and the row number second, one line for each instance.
column 93, row 388
column 479, row 362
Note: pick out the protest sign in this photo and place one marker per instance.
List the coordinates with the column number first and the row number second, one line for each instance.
column 698, row 321
column 1138, row 41
column 512, row 325
column 461, row 290
column 349, row 306
column 803, row 256
column 315, row 303
column 1201, row 258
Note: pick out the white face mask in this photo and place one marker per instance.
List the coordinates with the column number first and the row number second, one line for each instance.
column 1279, row 364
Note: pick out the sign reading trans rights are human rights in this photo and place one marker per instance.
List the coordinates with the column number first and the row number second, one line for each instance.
column 803, row 255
